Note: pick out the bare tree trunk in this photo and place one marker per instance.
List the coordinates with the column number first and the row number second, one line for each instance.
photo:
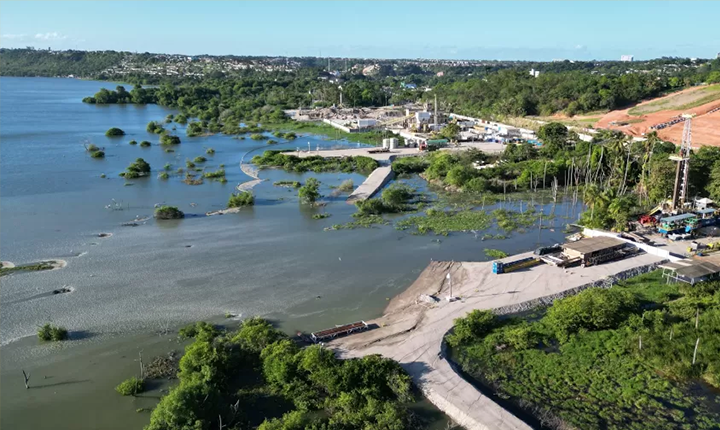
column 697, row 342
column 27, row 379
column 697, row 317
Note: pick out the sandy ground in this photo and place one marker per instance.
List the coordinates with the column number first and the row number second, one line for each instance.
column 411, row 331
column 705, row 127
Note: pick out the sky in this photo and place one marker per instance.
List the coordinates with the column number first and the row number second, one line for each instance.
column 541, row 31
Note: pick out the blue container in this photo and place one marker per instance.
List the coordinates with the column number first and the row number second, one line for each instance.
column 498, row 267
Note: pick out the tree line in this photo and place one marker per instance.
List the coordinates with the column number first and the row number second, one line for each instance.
column 256, row 378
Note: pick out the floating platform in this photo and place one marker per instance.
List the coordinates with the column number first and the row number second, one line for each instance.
column 340, row 330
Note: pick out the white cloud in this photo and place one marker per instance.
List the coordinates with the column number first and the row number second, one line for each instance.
column 579, row 47
column 50, row 36
column 13, row 36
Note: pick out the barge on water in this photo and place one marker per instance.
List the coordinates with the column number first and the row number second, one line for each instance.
column 340, row 330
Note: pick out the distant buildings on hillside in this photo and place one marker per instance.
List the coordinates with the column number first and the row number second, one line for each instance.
column 626, row 58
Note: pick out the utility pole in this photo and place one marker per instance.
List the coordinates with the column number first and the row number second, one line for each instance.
column 436, row 117
column 449, row 278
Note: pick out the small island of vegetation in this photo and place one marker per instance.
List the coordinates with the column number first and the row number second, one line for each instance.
column 168, row 139
column 114, row 132
column 136, row 169
column 168, row 212
column 241, row 199
column 155, row 127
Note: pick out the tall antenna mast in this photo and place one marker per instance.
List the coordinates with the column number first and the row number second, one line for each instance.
column 680, row 191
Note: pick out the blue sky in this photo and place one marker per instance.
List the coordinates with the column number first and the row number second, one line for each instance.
column 578, row 30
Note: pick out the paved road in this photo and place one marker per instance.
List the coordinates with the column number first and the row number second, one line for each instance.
column 412, row 332
column 377, row 179
column 488, row 147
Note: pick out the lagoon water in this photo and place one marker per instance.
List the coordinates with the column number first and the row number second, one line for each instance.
column 272, row 260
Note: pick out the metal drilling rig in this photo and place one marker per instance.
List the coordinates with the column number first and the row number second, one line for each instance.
column 681, row 189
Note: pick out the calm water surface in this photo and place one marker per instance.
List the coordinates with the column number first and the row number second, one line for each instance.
column 272, row 260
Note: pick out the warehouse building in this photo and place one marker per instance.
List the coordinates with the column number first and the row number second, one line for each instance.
column 690, row 271
column 596, row 250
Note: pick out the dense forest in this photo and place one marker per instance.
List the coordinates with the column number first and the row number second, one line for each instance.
column 257, row 378
column 491, row 89
column 622, row 358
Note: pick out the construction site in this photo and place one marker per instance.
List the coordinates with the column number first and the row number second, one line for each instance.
column 664, row 115
column 417, row 124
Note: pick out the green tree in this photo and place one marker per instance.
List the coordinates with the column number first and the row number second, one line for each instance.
column 713, row 185
column 309, row 193
column 661, row 179
column 554, row 137
column 475, row 325
column 593, row 309
column 450, row 131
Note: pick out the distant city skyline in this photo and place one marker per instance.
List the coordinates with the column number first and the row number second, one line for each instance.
column 532, row 31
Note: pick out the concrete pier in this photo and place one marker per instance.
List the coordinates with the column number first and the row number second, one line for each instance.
column 377, row 179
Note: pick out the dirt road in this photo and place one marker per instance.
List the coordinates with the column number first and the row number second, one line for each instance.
column 411, row 331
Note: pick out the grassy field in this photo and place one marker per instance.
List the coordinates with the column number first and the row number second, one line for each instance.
column 605, row 359
column 680, row 101
column 370, row 137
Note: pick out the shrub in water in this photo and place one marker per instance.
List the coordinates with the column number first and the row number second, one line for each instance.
column 168, row 212
column 131, row 387
column 243, row 198
column 97, row 154
column 145, row 144
column 200, row 159
column 133, row 142
column 210, row 151
column 49, row 332
column 169, row 139
column 137, row 169
column 114, row 131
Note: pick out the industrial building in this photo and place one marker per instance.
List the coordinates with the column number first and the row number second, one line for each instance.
column 595, row 250
column 690, row 271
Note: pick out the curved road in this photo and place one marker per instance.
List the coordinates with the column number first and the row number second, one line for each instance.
column 411, row 331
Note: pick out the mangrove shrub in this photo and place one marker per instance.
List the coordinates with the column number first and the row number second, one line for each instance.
column 131, row 387
column 114, row 131
column 240, row 199
column 168, row 212
column 49, row 332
